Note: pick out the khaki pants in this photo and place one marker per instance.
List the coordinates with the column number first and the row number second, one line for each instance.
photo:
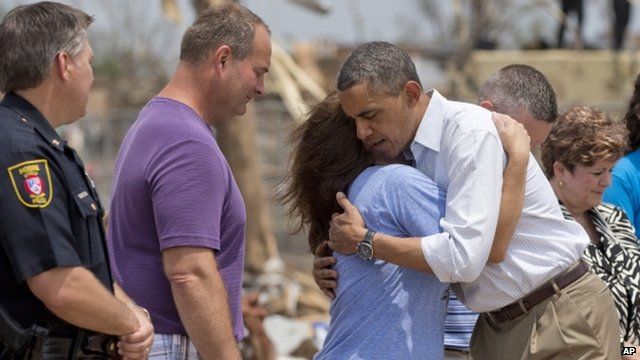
column 456, row 355
column 578, row 322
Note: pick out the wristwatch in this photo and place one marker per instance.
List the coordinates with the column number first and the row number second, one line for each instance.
column 364, row 249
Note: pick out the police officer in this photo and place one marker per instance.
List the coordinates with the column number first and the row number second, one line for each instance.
column 54, row 269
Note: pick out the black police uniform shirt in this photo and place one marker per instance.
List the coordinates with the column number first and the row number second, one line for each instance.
column 50, row 214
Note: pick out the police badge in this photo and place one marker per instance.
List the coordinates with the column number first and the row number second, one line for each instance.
column 32, row 183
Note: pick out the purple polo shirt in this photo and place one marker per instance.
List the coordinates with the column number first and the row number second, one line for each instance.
column 173, row 187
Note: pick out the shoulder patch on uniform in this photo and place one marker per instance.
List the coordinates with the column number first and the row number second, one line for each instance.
column 32, row 183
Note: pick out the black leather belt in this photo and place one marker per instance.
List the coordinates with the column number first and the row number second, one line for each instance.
column 460, row 351
column 523, row 305
column 84, row 346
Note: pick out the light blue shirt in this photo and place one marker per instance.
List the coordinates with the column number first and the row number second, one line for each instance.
column 624, row 190
column 382, row 311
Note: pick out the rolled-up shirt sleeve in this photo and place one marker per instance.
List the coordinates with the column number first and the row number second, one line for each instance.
column 475, row 166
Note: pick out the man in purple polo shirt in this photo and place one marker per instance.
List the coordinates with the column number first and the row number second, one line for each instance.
column 177, row 216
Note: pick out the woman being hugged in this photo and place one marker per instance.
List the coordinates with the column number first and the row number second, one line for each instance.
column 380, row 309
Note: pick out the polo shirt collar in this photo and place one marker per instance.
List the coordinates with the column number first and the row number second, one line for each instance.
column 30, row 114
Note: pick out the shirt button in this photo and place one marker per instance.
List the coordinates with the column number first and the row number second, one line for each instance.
column 93, row 207
column 24, row 120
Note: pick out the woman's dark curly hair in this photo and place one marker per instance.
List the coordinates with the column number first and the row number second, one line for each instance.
column 327, row 156
column 632, row 117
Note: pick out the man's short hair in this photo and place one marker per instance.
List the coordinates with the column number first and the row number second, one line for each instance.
column 228, row 24
column 384, row 67
column 30, row 38
column 519, row 85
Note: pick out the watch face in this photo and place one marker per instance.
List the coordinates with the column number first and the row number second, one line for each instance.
column 364, row 251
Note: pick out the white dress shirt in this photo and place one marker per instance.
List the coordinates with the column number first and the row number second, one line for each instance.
column 457, row 146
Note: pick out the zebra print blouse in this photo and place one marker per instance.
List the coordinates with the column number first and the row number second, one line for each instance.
column 616, row 260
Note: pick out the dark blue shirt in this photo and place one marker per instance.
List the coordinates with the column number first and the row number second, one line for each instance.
column 50, row 214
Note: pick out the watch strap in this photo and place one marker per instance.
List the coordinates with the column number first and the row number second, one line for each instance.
column 368, row 237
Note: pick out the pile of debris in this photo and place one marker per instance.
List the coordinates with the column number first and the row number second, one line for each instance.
column 285, row 314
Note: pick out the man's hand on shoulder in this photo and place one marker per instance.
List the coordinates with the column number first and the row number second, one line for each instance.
column 323, row 275
column 347, row 229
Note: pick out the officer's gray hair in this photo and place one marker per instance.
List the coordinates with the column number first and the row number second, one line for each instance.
column 383, row 67
column 30, row 38
column 521, row 86
column 228, row 24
